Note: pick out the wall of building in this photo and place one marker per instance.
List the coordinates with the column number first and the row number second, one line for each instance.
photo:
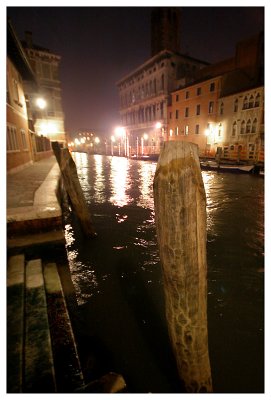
column 193, row 113
column 19, row 149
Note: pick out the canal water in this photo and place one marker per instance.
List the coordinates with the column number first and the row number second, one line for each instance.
column 118, row 280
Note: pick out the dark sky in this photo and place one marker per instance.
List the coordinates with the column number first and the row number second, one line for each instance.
column 99, row 45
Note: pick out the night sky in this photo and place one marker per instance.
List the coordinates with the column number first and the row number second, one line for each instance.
column 99, row 45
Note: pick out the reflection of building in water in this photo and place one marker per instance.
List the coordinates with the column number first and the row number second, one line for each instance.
column 145, row 92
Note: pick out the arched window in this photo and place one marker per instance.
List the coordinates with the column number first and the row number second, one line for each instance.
column 257, row 100
column 243, row 127
column 254, row 126
column 235, row 106
column 251, row 102
column 234, row 129
column 248, row 127
column 245, row 105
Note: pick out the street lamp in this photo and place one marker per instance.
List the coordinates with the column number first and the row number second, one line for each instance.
column 112, row 144
column 41, row 103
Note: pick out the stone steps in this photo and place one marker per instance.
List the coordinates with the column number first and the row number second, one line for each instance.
column 41, row 351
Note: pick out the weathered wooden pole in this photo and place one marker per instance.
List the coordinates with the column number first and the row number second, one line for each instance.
column 72, row 185
column 180, row 215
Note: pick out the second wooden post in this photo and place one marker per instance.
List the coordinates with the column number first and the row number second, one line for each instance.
column 180, row 215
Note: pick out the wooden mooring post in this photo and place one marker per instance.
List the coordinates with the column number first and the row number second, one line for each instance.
column 72, row 185
column 180, row 215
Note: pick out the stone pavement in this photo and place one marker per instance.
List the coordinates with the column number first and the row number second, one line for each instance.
column 32, row 204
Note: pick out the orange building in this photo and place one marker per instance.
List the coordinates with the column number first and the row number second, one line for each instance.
column 193, row 113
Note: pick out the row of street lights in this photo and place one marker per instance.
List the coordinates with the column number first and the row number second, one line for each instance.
column 121, row 139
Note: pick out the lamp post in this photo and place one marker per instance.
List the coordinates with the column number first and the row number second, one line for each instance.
column 207, row 133
column 112, row 145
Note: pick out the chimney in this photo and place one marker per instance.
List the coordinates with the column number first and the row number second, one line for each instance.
column 28, row 39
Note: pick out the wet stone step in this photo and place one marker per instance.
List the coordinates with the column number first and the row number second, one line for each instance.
column 15, row 323
column 68, row 371
column 39, row 374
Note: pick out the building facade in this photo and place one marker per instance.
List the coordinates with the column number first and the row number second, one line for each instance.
column 241, row 123
column 222, row 111
column 48, row 120
column 192, row 115
column 19, row 148
column 145, row 92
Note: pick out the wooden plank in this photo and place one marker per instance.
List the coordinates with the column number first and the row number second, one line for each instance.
column 39, row 370
column 15, row 323
column 180, row 215
column 73, row 188
column 67, row 366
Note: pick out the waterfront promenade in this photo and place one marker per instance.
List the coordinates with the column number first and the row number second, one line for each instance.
column 33, row 211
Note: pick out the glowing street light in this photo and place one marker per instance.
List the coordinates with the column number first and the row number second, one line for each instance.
column 97, row 140
column 158, row 125
column 41, row 103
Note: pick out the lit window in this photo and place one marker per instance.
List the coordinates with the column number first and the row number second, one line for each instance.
column 186, row 129
column 170, row 132
column 176, row 131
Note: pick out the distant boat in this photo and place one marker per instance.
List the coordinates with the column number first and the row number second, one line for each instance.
column 213, row 165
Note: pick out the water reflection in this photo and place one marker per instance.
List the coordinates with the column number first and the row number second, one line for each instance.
column 118, row 180
column 99, row 181
column 146, row 173
column 125, row 259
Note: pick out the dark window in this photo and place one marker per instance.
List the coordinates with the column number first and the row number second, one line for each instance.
column 211, row 107
column 177, row 97
column 234, row 129
column 245, row 104
column 257, row 101
column 198, row 109
column 177, row 114
column 235, row 106
column 243, row 127
column 221, row 108
column 187, row 95
column 251, row 102
column 186, row 112
column 212, row 87
column 254, row 126
column 198, row 91
column 197, row 129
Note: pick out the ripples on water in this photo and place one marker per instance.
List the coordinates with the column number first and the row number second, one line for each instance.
column 125, row 258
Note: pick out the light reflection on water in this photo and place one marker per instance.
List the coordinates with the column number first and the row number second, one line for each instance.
column 119, row 192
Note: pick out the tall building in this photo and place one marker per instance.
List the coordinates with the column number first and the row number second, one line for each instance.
column 165, row 30
column 145, row 92
column 48, row 120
